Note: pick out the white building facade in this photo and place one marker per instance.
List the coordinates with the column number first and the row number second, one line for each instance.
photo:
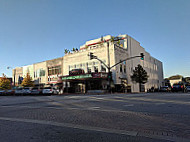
column 128, row 47
column 108, row 51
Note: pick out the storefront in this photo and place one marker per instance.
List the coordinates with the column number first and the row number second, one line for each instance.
column 82, row 83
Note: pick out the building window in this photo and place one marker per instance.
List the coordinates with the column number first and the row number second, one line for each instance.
column 124, row 69
column 42, row 72
column 95, row 69
column 49, row 71
column 121, row 68
column 52, row 71
column 103, row 69
column 89, row 70
column 69, row 68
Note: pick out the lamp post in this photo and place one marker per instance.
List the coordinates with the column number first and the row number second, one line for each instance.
column 13, row 74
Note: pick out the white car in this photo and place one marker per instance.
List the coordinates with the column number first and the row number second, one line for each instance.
column 49, row 90
column 26, row 90
column 188, row 88
column 36, row 91
column 19, row 91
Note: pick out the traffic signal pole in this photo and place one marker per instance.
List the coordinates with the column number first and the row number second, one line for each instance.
column 108, row 66
column 109, row 69
column 128, row 59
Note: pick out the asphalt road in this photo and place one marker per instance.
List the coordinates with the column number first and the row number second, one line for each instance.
column 113, row 117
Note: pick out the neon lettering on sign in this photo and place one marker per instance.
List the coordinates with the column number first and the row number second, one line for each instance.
column 77, row 77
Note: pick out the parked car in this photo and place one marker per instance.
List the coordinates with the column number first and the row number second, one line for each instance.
column 2, row 92
column 151, row 90
column 19, row 91
column 36, row 91
column 10, row 92
column 50, row 90
column 26, row 90
column 165, row 89
column 178, row 87
column 188, row 88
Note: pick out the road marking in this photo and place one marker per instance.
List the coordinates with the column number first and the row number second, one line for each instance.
column 94, row 107
column 160, row 103
column 129, row 105
column 69, row 125
column 98, row 98
column 81, row 109
column 143, row 99
column 97, row 129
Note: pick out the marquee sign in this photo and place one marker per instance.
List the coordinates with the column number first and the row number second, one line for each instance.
column 77, row 76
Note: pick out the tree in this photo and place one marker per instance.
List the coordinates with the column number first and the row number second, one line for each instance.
column 139, row 76
column 27, row 81
column 86, row 47
column 74, row 50
column 66, row 51
column 175, row 77
column 5, row 83
column 187, row 80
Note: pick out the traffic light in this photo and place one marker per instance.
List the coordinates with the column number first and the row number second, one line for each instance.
column 91, row 55
column 142, row 56
column 109, row 75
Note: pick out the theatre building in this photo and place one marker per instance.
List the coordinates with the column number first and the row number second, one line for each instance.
column 112, row 54
column 76, row 72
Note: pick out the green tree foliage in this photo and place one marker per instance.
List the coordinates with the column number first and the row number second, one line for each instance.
column 74, row 49
column 139, row 76
column 5, row 83
column 187, row 80
column 175, row 77
column 27, row 81
column 86, row 47
column 66, row 51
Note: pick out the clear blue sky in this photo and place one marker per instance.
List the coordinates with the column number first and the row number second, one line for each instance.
column 36, row 30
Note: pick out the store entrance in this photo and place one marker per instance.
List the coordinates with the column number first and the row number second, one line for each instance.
column 80, row 88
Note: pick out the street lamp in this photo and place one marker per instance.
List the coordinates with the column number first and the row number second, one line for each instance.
column 14, row 73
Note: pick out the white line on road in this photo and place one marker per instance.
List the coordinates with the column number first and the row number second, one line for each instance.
column 143, row 99
column 69, row 125
column 90, row 128
column 129, row 105
column 160, row 103
column 94, row 108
